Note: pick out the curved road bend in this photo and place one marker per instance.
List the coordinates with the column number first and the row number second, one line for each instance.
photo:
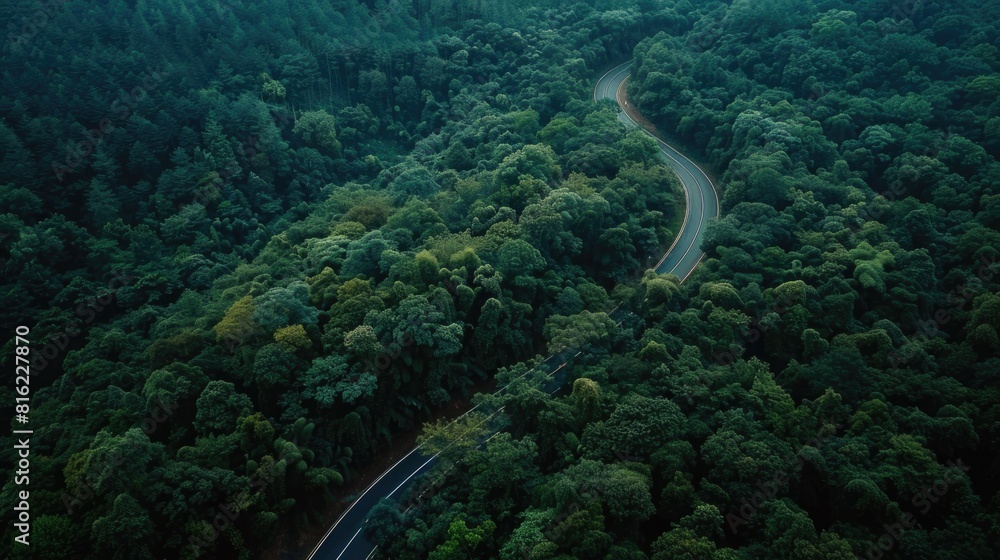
column 346, row 540
column 702, row 199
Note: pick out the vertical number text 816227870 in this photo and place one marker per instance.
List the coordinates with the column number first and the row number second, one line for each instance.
column 22, row 359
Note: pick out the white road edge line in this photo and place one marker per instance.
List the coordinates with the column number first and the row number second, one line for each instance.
column 348, row 545
column 687, row 212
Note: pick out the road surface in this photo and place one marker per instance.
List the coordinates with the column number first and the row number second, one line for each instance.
column 702, row 199
column 346, row 540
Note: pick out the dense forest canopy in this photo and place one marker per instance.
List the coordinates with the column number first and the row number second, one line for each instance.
column 256, row 242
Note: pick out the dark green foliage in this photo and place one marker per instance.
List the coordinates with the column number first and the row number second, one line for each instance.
column 334, row 220
column 322, row 242
column 790, row 400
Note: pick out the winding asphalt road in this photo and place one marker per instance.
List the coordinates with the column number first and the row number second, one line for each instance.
column 702, row 199
column 346, row 540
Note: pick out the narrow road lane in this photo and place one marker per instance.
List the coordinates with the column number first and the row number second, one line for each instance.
column 702, row 198
column 346, row 540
